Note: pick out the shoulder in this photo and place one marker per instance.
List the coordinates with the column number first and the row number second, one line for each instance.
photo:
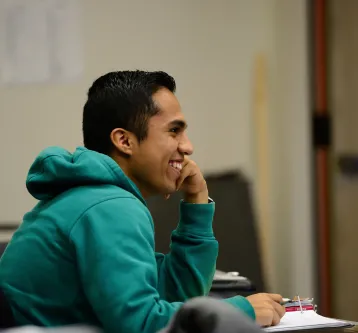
column 96, row 204
column 116, row 212
column 114, row 222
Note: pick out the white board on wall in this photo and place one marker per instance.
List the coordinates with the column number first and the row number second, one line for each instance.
column 41, row 41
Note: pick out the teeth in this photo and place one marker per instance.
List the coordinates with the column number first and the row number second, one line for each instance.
column 176, row 165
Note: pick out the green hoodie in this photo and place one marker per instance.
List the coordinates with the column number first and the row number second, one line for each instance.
column 85, row 253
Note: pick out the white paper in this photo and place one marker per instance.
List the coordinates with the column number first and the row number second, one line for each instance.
column 223, row 276
column 40, row 41
column 296, row 320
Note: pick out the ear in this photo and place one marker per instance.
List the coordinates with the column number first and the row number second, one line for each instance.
column 123, row 140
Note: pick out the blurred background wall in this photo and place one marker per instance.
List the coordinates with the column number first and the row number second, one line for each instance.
column 212, row 50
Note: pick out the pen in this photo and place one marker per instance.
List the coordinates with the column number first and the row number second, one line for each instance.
column 299, row 301
column 286, row 300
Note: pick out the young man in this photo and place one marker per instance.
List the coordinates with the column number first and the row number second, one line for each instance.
column 85, row 253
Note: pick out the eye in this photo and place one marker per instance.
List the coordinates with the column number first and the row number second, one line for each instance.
column 174, row 130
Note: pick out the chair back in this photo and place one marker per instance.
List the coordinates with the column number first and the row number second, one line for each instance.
column 6, row 316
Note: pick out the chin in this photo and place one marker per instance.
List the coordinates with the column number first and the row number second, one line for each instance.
column 169, row 189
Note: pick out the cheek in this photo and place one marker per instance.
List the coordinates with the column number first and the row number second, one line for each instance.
column 169, row 150
column 157, row 154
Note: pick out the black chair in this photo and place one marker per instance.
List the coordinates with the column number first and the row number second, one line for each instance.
column 6, row 317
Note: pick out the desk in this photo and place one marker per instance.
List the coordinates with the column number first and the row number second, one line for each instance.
column 331, row 330
column 226, row 289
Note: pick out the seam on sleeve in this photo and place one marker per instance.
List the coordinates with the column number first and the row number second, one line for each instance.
column 95, row 204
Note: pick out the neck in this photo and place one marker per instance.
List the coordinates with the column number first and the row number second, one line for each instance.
column 124, row 165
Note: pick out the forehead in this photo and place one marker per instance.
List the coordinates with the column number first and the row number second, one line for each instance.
column 169, row 107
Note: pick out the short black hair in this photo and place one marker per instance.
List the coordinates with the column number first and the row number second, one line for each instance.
column 121, row 99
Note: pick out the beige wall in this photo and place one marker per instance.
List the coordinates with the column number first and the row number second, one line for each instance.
column 343, row 82
column 292, row 200
column 209, row 47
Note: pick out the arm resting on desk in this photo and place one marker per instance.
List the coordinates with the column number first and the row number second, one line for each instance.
column 118, row 268
column 188, row 270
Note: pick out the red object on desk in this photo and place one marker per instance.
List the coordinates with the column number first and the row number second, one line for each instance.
column 297, row 308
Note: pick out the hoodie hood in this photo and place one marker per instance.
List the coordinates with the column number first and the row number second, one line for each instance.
column 56, row 170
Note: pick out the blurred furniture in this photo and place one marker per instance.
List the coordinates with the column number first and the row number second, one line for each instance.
column 6, row 317
column 2, row 247
column 234, row 227
column 225, row 286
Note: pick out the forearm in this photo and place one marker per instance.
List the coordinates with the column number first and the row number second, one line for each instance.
column 187, row 271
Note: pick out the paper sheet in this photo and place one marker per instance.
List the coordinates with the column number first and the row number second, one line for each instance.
column 304, row 321
column 223, row 276
column 40, row 41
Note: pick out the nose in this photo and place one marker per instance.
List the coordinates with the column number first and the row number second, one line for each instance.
column 185, row 146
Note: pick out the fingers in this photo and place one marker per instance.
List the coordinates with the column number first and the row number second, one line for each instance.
column 183, row 174
column 268, row 309
column 276, row 313
column 279, row 309
column 266, row 315
column 276, row 319
column 275, row 297
column 186, row 160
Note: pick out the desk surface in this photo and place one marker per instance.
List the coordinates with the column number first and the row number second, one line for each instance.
column 333, row 330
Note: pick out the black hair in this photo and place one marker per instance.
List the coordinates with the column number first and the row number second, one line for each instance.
column 121, row 100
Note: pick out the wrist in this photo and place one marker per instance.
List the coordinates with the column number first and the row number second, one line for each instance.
column 197, row 198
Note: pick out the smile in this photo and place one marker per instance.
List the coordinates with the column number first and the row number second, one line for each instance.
column 176, row 165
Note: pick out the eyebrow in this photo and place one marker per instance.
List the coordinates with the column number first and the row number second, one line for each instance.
column 178, row 123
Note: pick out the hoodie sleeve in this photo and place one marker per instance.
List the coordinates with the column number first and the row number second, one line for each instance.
column 188, row 269
column 114, row 244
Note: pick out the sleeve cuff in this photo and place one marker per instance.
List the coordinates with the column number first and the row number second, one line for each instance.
column 243, row 305
column 196, row 218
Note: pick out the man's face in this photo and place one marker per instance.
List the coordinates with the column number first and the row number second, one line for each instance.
column 156, row 161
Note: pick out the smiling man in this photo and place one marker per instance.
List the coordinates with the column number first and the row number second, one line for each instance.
column 86, row 253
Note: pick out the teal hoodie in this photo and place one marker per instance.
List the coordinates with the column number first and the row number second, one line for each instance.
column 86, row 253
